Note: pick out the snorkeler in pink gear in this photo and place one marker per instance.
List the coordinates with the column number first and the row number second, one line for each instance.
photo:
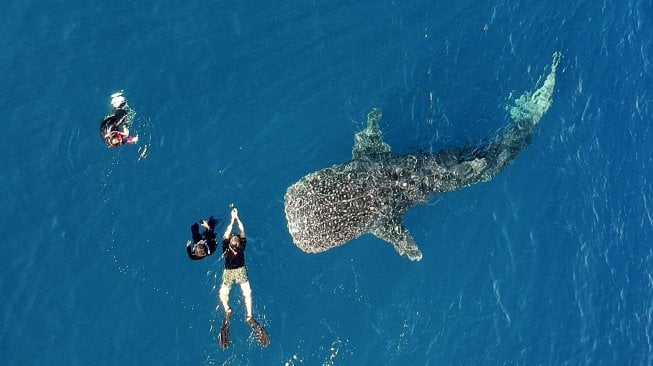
column 114, row 128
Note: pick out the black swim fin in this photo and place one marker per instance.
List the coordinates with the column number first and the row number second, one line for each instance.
column 260, row 333
column 223, row 337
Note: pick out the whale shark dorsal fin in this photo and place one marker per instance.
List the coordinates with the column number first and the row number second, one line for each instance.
column 368, row 144
column 394, row 232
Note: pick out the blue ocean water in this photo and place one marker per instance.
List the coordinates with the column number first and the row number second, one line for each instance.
column 550, row 263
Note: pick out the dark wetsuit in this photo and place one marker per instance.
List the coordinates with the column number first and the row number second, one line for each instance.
column 111, row 125
column 234, row 260
column 206, row 238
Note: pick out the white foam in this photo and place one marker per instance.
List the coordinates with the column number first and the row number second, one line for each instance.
column 117, row 100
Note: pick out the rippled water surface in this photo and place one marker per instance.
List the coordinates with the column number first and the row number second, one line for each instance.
column 550, row 263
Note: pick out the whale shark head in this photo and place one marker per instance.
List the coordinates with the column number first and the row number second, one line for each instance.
column 332, row 206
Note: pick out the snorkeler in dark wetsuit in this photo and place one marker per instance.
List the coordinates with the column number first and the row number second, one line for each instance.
column 114, row 128
column 204, row 243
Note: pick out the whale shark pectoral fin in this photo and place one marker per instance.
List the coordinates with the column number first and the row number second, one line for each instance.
column 394, row 232
column 368, row 143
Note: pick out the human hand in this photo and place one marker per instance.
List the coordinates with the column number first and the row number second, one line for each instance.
column 234, row 213
column 187, row 243
column 205, row 223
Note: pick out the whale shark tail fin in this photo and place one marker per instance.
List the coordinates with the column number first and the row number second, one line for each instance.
column 529, row 108
column 518, row 134
column 394, row 232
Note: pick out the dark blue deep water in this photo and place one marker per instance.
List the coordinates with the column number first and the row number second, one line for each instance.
column 550, row 263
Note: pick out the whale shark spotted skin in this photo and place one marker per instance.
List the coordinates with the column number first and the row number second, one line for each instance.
column 370, row 193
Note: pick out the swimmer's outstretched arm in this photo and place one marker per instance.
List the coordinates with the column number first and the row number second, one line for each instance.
column 234, row 218
column 210, row 224
column 241, row 228
column 227, row 231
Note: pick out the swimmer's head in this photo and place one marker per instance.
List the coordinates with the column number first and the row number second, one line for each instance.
column 234, row 241
column 199, row 250
column 115, row 140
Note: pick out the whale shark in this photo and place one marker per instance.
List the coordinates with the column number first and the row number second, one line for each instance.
column 370, row 194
